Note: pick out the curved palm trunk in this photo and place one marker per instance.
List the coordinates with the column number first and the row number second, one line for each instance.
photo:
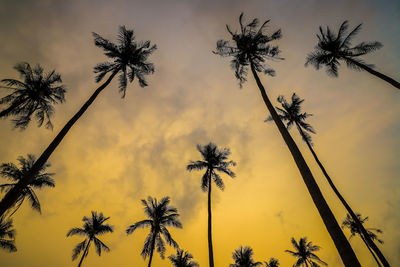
column 84, row 253
column 12, row 195
column 373, row 254
column 368, row 241
column 342, row 244
column 210, row 246
column 376, row 73
column 152, row 250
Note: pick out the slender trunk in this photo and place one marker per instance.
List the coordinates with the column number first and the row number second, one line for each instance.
column 84, row 253
column 364, row 232
column 370, row 250
column 6, row 112
column 12, row 195
column 210, row 246
column 374, row 72
column 342, row 244
column 152, row 249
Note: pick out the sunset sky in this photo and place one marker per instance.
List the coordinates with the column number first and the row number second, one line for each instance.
column 123, row 150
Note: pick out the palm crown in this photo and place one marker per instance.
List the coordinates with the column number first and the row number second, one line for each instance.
column 349, row 223
column 333, row 47
column 250, row 47
column 92, row 227
column 272, row 263
column 11, row 172
column 304, row 252
column 291, row 114
column 182, row 259
column 243, row 257
column 214, row 159
column 129, row 57
column 7, row 235
column 160, row 215
column 35, row 95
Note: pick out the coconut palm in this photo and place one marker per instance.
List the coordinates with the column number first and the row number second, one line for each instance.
column 333, row 48
column 251, row 48
column 292, row 115
column 352, row 225
column 182, row 259
column 243, row 257
column 14, row 173
column 160, row 215
column 304, row 252
column 272, row 263
column 7, row 235
column 92, row 227
column 129, row 60
column 214, row 160
column 34, row 96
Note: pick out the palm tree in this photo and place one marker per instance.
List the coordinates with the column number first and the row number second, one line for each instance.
column 272, row 263
column 92, row 227
column 214, row 160
column 35, row 95
column 291, row 114
column 333, row 48
column 182, row 259
column 7, row 235
column 15, row 174
column 352, row 225
column 130, row 60
column 251, row 48
column 304, row 252
column 243, row 257
column 160, row 215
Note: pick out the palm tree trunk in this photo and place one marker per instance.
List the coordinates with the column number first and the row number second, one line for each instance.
column 374, row 72
column 210, row 246
column 364, row 232
column 84, row 253
column 373, row 255
column 12, row 195
column 152, row 249
column 346, row 253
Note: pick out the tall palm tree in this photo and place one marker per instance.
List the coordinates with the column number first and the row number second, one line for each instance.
column 292, row 115
column 182, row 259
column 7, row 235
column 160, row 215
column 352, row 225
column 214, row 160
column 92, row 227
column 129, row 60
column 333, row 48
column 304, row 252
column 34, row 96
column 251, row 48
column 11, row 172
column 272, row 263
column 243, row 257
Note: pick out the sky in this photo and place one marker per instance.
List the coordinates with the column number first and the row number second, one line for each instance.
column 123, row 150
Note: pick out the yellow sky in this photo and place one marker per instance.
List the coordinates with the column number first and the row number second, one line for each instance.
column 123, row 150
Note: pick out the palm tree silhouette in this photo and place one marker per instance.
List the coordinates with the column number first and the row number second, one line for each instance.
column 11, row 172
column 304, row 252
column 351, row 224
column 92, row 227
column 34, row 96
column 251, row 48
column 182, row 259
column 243, row 257
column 214, row 160
column 130, row 60
column 272, row 263
column 160, row 215
column 291, row 114
column 333, row 48
column 7, row 235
